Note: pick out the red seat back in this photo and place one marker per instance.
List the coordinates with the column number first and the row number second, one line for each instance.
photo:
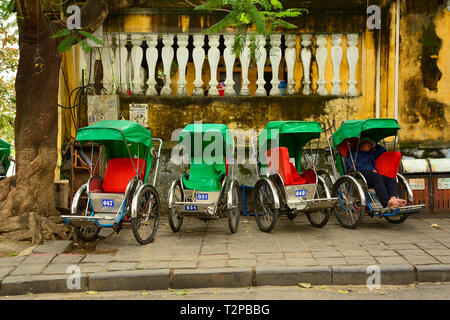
column 343, row 146
column 119, row 172
column 388, row 163
column 278, row 160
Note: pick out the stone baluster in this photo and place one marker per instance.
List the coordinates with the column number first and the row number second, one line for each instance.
column 198, row 56
column 229, row 57
column 137, row 54
column 321, row 58
column 120, row 67
column 152, row 58
column 352, row 58
column 213, row 58
column 107, row 56
column 336, row 58
column 182, row 58
column 291, row 56
column 167, row 57
column 275, row 59
column 244, row 57
column 306, row 56
column 260, row 56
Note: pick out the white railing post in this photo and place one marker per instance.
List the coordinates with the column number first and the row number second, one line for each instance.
column 167, row 57
column 213, row 58
column 137, row 54
column 306, row 56
column 321, row 58
column 244, row 57
column 260, row 56
column 229, row 57
column 275, row 59
column 107, row 56
column 352, row 58
column 152, row 58
column 120, row 70
column 182, row 58
column 336, row 57
column 198, row 56
column 291, row 56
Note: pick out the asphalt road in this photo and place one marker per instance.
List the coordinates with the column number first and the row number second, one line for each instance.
column 431, row 291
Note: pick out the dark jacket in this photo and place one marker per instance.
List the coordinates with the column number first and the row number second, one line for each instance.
column 366, row 160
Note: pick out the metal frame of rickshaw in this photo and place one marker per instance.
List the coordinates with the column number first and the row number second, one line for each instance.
column 199, row 208
column 133, row 186
column 367, row 195
column 285, row 195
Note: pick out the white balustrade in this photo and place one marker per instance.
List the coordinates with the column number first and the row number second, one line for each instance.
column 244, row 57
column 260, row 56
column 306, row 56
column 167, row 57
column 229, row 58
column 321, row 58
column 213, row 58
column 152, row 57
column 275, row 59
column 137, row 54
column 352, row 58
column 182, row 58
column 291, row 57
column 122, row 67
column 199, row 57
column 336, row 58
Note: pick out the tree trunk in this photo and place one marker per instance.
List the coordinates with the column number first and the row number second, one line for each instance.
column 28, row 198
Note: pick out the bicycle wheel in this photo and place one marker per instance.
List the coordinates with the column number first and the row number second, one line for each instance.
column 175, row 217
column 351, row 207
column 84, row 208
column 235, row 212
column 264, row 201
column 146, row 210
column 320, row 218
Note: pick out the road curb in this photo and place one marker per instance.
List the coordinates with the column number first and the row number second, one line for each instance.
column 210, row 278
column 130, row 280
column 292, row 276
column 433, row 273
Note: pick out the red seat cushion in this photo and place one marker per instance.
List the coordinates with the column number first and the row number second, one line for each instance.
column 388, row 163
column 309, row 176
column 119, row 172
column 283, row 166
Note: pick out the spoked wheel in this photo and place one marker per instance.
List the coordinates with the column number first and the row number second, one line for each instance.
column 175, row 216
column 320, row 218
column 329, row 181
column 350, row 208
column 146, row 210
column 402, row 194
column 235, row 212
column 84, row 208
column 264, row 201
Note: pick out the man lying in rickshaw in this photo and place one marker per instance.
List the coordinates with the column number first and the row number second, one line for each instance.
column 386, row 188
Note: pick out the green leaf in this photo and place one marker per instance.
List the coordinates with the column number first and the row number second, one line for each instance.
column 181, row 293
column 284, row 24
column 11, row 5
column 84, row 46
column 276, row 4
column 61, row 33
column 67, row 43
column 91, row 37
column 222, row 24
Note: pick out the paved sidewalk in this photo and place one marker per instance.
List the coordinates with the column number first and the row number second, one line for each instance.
column 207, row 254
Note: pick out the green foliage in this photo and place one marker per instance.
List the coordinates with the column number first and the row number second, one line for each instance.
column 265, row 16
column 72, row 37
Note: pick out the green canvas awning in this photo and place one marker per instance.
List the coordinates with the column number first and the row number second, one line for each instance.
column 206, row 171
column 115, row 135
column 293, row 135
column 5, row 151
column 375, row 129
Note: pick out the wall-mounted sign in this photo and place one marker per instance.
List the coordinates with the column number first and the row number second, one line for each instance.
column 139, row 113
column 417, row 184
column 102, row 107
column 443, row 183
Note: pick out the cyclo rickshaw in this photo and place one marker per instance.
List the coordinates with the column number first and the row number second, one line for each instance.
column 355, row 198
column 283, row 188
column 123, row 194
column 5, row 151
column 208, row 191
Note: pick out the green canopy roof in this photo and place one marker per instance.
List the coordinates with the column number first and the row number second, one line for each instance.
column 115, row 135
column 5, row 151
column 293, row 135
column 375, row 129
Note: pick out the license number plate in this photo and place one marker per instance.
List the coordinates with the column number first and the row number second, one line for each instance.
column 202, row 196
column 108, row 203
column 191, row 208
column 300, row 193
